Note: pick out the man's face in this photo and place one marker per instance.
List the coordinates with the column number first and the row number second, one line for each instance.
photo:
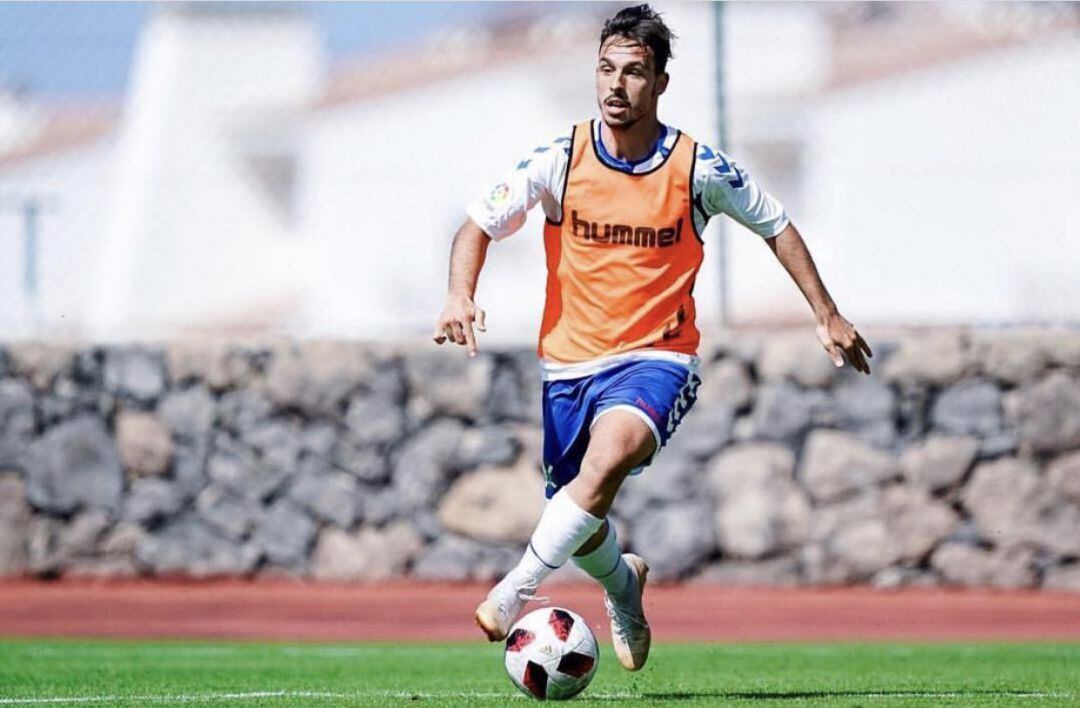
column 627, row 86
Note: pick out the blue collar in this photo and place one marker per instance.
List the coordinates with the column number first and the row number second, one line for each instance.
column 627, row 165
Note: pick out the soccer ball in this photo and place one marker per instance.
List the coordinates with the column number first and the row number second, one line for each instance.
column 551, row 654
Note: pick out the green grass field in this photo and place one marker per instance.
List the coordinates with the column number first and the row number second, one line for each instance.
column 131, row 673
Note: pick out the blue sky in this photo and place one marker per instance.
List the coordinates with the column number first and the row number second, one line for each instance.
column 85, row 48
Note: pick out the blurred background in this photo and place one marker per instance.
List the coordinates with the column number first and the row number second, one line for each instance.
column 224, row 231
column 299, row 169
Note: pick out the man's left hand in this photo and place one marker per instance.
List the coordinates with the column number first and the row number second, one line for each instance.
column 840, row 340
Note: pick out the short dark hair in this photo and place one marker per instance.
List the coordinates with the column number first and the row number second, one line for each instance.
column 643, row 25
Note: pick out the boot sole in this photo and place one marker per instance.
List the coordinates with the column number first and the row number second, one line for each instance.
column 486, row 620
column 642, row 571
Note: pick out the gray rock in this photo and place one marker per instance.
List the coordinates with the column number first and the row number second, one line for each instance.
column 528, row 369
column 487, row 445
column 703, row 432
column 866, row 407
column 1062, row 577
column 676, row 539
column 189, row 470
column 1063, row 477
column 1012, row 356
column 231, row 516
column 937, row 358
column 798, row 358
column 365, row 463
column 285, row 533
column 425, row 466
column 896, row 577
column 14, row 519
column 784, row 412
column 379, row 506
column 998, row 445
column 369, row 554
column 939, row 461
column 134, row 373
column 835, row 529
column 966, row 565
column 506, row 400
column 373, row 420
column 836, row 464
column 42, row 546
column 450, row 558
column 144, row 443
column 775, row 572
column 82, row 535
column 122, row 539
column 1048, row 413
column 1014, row 507
column 237, row 468
column 278, row 444
column 189, row 413
column 39, row 363
column 494, row 503
column 497, row 561
column 450, row 383
column 151, row 500
column 219, row 364
column 725, row 383
column 188, row 547
column 74, row 465
column 16, row 410
column 760, row 508
column 971, row 407
column 967, row 532
column 864, row 547
column 331, row 497
column 242, row 410
column 912, row 407
column 319, row 439
column 915, row 522
column 673, row 477
column 88, row 367
column 426, row 524
column 317, row 377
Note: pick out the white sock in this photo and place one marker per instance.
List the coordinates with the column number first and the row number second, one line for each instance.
column 606, row 565
column 563, row 528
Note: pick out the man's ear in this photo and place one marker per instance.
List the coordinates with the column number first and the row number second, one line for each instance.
column 661, row 83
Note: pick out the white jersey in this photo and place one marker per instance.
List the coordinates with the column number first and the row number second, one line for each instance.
column 720, row 186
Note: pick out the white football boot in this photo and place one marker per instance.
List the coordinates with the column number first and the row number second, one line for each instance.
column 496, row 614
column 629, row 631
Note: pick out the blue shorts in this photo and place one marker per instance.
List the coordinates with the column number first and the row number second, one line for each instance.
column 660, row 392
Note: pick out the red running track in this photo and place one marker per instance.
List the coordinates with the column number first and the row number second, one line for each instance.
column 409, row 611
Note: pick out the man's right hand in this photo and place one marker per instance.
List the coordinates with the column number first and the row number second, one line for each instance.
column 456, row 322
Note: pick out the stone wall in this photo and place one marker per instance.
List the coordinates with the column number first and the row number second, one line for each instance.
column 957, row 462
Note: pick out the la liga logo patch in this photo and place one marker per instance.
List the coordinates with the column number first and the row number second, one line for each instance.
column 499, row 194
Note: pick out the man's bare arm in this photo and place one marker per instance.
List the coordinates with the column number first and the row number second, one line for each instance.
column 466, row 260
column 834, row 332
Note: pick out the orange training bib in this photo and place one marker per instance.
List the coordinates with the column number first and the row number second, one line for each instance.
column 622, row 263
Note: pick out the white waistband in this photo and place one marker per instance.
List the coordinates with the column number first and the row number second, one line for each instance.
column 557, row 371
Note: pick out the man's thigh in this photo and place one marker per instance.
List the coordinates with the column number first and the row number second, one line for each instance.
column 619, row 406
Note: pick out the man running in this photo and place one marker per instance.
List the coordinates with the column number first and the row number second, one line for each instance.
column 626, row 199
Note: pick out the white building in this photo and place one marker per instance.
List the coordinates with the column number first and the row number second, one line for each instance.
column 243, row 184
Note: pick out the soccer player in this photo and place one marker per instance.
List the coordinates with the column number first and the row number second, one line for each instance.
column 626, row 199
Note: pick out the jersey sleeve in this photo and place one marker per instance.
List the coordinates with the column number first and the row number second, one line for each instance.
column 722, row 187
column 538, row 177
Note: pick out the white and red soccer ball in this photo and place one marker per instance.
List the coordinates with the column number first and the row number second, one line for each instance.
column 551, row 654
